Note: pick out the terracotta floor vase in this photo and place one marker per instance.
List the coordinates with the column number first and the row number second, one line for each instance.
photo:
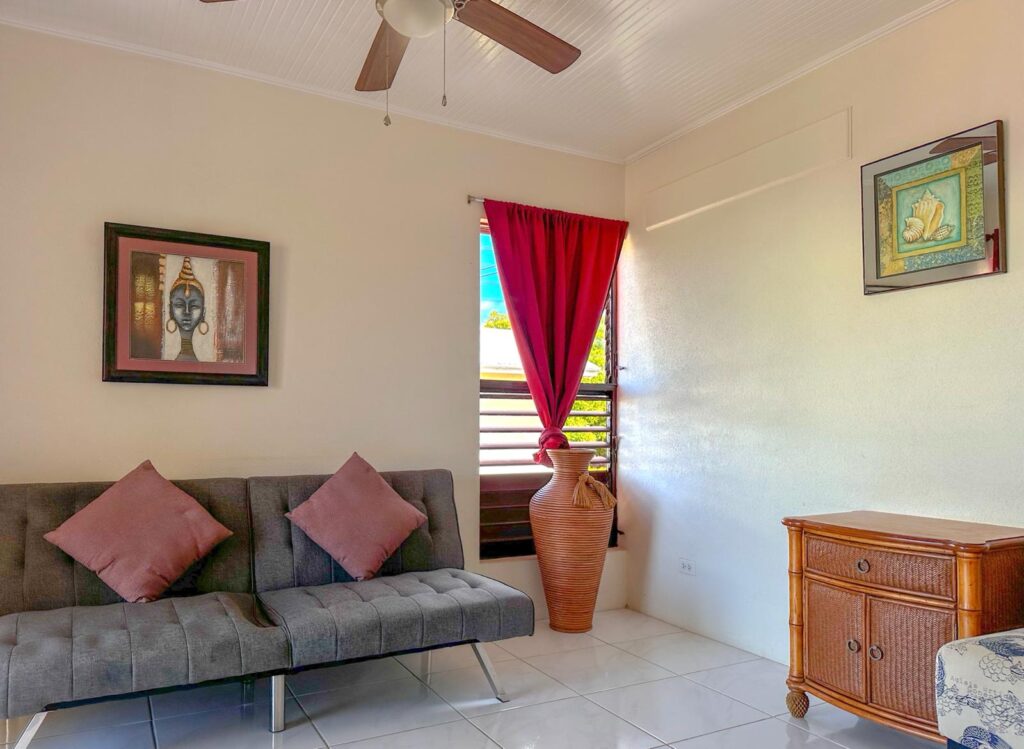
column 572, row 519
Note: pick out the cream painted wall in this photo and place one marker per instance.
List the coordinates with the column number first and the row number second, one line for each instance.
column 374, row 270
column 762, row 383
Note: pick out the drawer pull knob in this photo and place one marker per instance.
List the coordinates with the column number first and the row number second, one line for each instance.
column 875, row 653
column 863, row 566
column 853, row 646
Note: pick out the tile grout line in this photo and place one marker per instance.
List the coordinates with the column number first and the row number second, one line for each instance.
column 682, row 631
column 513, row 707
column 296, row 695
column 755, row 722
column 578, row 694
column 729, row 728
column 677, row 673
column 100, row 727
column 557, row 681
column 494, row 739
column 500, row 710
column 512, row 710
column 461, row 717
column 309, row 717
column 152, row 723
column 719, row 691
column 627, row 721
column 483, row 733
column 729, row 665
column 767, row 716
column 440, row 697
column 410, row 730
column 720, row 730
column 671, row 674
column 383, row 735
column 808, row 730
column 597, row 644
column 633, row 684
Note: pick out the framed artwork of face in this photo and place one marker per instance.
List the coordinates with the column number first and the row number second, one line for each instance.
column 935, row 213
column 185, row 308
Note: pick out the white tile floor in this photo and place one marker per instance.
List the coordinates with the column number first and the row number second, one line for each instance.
column 633, row 683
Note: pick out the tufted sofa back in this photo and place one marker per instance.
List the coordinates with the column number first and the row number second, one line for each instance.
column 285, row 557
column 264, row 553
column 36, row 575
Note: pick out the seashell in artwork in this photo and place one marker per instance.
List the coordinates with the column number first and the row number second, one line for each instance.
column 926, row 223
column 929, row 209
column 914, row 229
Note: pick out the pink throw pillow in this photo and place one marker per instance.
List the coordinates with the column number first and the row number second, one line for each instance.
column 357, row 518
column 140, row 535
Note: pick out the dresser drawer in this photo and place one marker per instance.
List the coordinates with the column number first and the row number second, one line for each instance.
column 926, row 574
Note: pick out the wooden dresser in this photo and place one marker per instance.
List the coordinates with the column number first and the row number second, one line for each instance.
column 872, row 597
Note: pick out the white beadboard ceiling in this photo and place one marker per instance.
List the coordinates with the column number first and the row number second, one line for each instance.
column 650, row 69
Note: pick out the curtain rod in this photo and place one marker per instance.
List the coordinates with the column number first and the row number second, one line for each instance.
column 473, row 199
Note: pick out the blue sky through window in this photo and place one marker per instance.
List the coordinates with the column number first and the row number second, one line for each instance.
column 491, row 297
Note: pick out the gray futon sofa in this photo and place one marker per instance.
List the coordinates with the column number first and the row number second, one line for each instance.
column 265, row 602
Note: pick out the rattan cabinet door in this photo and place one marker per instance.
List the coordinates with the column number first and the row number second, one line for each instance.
column 834, row 638
column 901, row 655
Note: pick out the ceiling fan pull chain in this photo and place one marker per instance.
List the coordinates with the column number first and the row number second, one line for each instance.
column 444, row 59
column 387, row 79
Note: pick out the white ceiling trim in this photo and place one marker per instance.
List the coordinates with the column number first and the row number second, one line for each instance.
column 316, row 91
column 731, row 106
column 810, row 67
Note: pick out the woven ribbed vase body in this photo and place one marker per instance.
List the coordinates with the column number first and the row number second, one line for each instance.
column 571, row 543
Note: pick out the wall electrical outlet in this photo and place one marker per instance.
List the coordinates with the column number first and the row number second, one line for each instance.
column 687, row 567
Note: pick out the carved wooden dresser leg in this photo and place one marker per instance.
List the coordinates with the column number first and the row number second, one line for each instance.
column 798, row 703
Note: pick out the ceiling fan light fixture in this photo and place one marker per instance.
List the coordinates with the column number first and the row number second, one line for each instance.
column 416, row 18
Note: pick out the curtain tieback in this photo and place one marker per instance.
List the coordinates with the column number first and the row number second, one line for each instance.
column 587, row 487
column 551, row 438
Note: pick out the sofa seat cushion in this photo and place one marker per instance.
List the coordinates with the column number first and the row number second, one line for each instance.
column 82, row 652
column 342, row 621
column 979, row 690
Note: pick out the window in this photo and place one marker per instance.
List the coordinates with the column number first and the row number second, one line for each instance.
column 509, row 425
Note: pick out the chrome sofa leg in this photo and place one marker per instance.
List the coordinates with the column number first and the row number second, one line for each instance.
column 426, row 658
column 489, row 672
column 277, row 694
column 30, row 731
column 248, row 691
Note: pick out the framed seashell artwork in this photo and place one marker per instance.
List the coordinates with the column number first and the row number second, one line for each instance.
column 935, row 213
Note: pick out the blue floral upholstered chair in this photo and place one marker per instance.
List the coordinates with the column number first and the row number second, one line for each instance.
column 979, row 691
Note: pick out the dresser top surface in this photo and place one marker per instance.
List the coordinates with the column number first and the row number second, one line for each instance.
column 911, row 527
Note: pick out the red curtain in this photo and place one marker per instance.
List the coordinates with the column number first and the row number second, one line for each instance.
column 555, row 270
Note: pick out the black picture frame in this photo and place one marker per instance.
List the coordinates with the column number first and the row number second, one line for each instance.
column 113, row 233
column 881, row 276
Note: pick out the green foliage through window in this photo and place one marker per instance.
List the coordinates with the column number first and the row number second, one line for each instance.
column 598, row 358
column 498, row 320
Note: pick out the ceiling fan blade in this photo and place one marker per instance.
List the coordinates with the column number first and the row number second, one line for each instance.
column 519, row 35
column 382, row 60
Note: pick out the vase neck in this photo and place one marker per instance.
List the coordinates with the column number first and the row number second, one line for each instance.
column 570, row 462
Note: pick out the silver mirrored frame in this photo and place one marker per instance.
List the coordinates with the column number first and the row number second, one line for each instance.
column 990, row 136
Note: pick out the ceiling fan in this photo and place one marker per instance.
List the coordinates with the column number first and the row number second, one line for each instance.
column 407, row 19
